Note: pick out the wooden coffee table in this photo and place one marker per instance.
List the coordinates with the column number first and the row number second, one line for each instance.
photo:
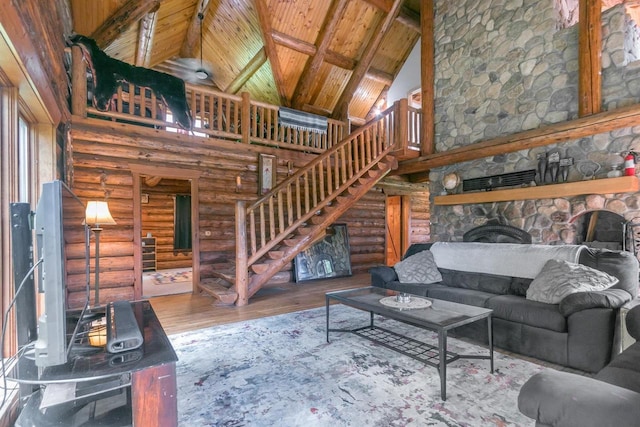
column 440, row 317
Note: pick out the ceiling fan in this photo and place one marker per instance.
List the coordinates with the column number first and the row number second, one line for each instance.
column 194, row 70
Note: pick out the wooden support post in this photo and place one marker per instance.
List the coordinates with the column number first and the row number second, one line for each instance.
column 246, row 118
column 79, row 83
column 242, row 272
column 590, row 57
column 402, row 129
column 427, row 134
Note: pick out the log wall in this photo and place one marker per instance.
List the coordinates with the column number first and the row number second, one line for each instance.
column 103, row 152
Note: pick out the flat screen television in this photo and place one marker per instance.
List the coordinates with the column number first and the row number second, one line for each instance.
column 62, row 241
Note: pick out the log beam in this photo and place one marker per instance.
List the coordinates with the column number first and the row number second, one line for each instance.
column 145, row 38
column 427, row 47
column 590, row 57
column 264, row 17
column 247, row 72
column 130, row 13
column 302, row 94
column 559, row 132
column 193, row 33
column 359, row 72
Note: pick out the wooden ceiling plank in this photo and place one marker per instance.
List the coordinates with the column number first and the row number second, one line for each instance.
column 145, row 38
column 342, row 106
column 270, row 48
column 247, row 72
column 130, row 13
column 302, row 93
column 193, row 33
column 552, row 134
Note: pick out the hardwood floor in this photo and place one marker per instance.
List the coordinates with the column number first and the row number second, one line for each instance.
column 185, row 312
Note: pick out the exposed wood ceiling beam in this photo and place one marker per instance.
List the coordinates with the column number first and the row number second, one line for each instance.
column 145, row 38
column 589, row 57
column 270, row 49
column 302, row 94
column 410, row 18
column 64, row 10
column 552, row 134
column 384, row 5
column 331, row 57
column 342, row 106
column 193, row 33
column 309, row 49
column 130, row 13
column 249, row 70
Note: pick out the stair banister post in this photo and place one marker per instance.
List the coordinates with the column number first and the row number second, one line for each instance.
column 242, row 272
column 245, row 122
column 402, row 116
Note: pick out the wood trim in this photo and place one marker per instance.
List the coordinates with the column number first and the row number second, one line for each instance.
column 558, row 132
column 623, row 184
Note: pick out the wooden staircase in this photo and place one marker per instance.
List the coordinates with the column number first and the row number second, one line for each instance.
column 297, row 212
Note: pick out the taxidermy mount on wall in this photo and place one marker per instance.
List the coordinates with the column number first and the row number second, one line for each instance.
column 109, row 72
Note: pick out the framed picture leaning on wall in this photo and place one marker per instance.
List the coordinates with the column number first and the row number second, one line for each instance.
column 329, row 257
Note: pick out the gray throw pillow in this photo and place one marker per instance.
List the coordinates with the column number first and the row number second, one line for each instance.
column 559, row 278
column 418, row 268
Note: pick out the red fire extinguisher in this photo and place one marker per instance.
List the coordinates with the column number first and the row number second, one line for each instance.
column 630, row 164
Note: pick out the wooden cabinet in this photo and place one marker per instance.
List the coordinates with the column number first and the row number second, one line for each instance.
column 148, row 254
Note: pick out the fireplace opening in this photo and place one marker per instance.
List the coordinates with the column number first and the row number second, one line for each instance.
column 600, row 229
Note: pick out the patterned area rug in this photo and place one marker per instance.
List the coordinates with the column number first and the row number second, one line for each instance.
column 280, row 371
column 167, row 277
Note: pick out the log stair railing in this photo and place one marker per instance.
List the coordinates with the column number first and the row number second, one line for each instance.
column 297, row 212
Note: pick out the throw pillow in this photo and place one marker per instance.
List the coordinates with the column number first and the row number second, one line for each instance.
column 559, row 278
column 418, row 268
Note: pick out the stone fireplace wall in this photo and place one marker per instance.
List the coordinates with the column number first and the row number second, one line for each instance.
column 503, row 67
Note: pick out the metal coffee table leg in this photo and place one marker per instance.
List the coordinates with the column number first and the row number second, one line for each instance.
column 442, row 362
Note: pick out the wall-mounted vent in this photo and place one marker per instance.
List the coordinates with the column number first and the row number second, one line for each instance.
column 488, row 183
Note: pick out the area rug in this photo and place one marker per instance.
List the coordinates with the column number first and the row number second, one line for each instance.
column 280, row 371
column 167, row 277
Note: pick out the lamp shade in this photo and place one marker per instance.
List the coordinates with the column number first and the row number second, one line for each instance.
column 97, row 213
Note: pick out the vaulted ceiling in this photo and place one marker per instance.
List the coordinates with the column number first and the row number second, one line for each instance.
column 321, row 56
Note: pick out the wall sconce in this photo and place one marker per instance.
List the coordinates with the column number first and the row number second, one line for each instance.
column 97, row 214
column 238, row 184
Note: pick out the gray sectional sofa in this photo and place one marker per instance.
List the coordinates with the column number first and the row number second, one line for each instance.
column 610, row 398
column 579, row 331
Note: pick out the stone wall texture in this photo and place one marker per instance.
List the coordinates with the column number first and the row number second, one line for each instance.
column 502, row 67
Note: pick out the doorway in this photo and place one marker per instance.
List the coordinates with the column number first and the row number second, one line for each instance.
column 166, row 248
column 397, row 227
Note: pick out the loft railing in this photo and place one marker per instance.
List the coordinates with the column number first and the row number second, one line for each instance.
column 264, row 224
column 215, row 114
column 227, row 116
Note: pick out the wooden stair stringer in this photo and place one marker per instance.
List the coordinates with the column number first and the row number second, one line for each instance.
column 314, row 231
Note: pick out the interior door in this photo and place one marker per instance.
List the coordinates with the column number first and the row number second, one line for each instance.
column 393, row 251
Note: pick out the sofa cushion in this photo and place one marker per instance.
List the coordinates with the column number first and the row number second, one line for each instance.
column 478, row 281
column 519, row 286
column 419, row 289
column 609, row 298
column 460, row 295
column 521, row 310
column 559, row 278
column 418, row 268
column 623, row 265
column 624, row 369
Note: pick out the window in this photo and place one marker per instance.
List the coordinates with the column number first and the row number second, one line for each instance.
column 25, row 161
